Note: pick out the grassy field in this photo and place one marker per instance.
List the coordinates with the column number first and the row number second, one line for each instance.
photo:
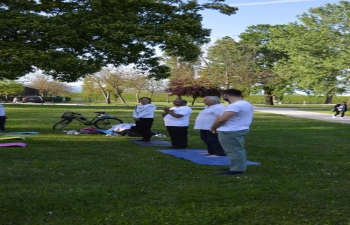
column 94, row 179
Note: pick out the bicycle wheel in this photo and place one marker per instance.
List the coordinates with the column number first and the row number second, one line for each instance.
column 107, row 123
column 61, row 124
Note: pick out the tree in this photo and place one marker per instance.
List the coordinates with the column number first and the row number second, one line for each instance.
column 230, row 64
column 194, row 88
column 90, row 89
column 181, row 72
column 154, row 85
column 46, row 85
column 8, row 87
column 70, row 39
column 137, row 82
column 317, row 50
column 266, row 79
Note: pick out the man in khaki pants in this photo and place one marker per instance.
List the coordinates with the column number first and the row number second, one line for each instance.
column 232, row 128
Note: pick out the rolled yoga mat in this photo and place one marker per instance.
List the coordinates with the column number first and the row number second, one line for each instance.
column 13, row 144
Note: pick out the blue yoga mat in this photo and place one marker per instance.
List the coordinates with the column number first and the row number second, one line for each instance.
column 153, row 142
column 105, row 131
column 197, row 156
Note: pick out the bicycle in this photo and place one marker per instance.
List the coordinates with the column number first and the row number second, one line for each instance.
column 101, row 120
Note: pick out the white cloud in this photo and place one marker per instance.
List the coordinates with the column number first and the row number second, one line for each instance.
column 271, row 2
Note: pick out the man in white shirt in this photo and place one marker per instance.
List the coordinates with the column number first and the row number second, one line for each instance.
column 2, row 118
column 232, row 127
column 176, row 120
column 143, row 116
column 205, row 119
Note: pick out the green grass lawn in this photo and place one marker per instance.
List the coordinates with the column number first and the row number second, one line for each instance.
column 94, row 179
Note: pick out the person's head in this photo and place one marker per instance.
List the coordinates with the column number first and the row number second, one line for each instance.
column 145, row 100
column 177, row 102
column 231, row 94
column 211, row 100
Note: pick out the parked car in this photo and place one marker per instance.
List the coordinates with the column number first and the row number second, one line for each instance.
column 35, row 99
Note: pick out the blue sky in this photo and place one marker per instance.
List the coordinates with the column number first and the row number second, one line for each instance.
column 254, row 12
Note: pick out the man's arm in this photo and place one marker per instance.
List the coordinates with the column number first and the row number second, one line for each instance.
column 172, row 113
column 222, row 120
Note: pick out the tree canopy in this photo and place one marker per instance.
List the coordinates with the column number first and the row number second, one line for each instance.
column 317, row 50
column 70, row 39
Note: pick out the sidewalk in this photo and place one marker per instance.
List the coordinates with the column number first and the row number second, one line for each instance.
column 304, row 114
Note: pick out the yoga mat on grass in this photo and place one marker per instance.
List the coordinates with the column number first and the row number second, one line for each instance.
column 153, row 142
column 20, row 133
column 13, row 144
column 199, row 157
column 11, row 137
column 105, row 131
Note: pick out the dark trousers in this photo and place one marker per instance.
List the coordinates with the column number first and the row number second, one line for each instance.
column 178, row 136
column 144, row 126
column 342, row 113
column 212, row 142
column 2, row 123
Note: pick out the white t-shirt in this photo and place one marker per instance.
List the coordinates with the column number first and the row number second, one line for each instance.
column 240, row 121
column 2, row 110
column 144, row 111
column 184, row 121
column 207, row 116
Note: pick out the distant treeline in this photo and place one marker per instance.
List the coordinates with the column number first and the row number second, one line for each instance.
column 255, row 99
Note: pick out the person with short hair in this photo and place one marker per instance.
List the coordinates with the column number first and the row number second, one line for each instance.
column 213, row 109
column 3, row 118
column 176, row 120
column 232, row 128
column 143, row 116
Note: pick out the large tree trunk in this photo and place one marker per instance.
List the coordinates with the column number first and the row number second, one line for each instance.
column 328, row 99
column 108, row 98
column 268, row 99
column 194, row 99
column 120, row 97
column 138, row 96
column 268, row 96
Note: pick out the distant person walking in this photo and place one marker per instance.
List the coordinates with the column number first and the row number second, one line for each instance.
column 143, row 116
column 205, row 120
column 233, row 127
column 176, row 120
column 3, row 118
column 340, row 108
column 15, row 100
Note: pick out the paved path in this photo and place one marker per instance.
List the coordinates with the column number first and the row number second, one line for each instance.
column 304, row 114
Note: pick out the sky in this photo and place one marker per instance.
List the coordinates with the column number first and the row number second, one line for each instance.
column 254, row 12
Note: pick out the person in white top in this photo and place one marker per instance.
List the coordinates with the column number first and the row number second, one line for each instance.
column 205, row 119
column 3, row 118
column 232, row 127
column 176, row 120
column 143, row 116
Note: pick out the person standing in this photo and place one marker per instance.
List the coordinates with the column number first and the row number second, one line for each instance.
column 143, row 116
column 205, row 119
column 340, row 108
column 176, row 120
column 232, row 128
column 3, row 118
